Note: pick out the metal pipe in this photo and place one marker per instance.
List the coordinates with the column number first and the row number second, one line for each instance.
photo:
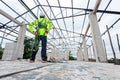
column 114, row 54
column 21, row 14
column 100, row 16
column 9, row 17
column 90, row 10
column 94, row 11
column 62, row 17
column 96, row 6
column 85, row 16
column 56, row 20
column 118, row 41
column 7, row 27
column 67, row 37
column 7, row 39
column 87, row 28
column 110, row 27
column 70, row 16
column 72, row 20
column 22, row 2
column 8, row 33
column 13, row 10
column 74, row 32
column 105, row 10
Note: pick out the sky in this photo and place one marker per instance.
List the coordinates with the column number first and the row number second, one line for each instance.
column 79, row 27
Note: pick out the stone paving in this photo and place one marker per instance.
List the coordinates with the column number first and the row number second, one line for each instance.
column 71, row 70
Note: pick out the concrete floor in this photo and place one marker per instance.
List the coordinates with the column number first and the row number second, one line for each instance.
column 70, row 70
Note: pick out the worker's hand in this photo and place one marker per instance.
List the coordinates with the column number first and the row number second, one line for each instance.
column 46, row 31
column 35, row 33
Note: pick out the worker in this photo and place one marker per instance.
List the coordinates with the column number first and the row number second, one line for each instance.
column 40, row 28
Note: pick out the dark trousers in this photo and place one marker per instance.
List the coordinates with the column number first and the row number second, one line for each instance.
column 35, row 47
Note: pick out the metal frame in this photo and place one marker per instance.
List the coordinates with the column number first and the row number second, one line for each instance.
column 62, row 38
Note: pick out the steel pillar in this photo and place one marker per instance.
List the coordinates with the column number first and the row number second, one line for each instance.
column 80, row 55
column 85, row 49
column 97, row 40
column 19, row 50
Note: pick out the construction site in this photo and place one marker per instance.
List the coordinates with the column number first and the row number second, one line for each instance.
column 80, row 40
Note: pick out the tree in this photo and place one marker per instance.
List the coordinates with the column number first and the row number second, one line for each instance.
column 27, row 48
column 1, row 52
column 70, row 56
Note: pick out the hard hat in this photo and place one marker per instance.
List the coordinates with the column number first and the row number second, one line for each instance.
column 42, row 15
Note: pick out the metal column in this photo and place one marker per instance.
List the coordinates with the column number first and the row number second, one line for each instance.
column 80, row 55
column 97, row 41
column 85, row 49
column 19, row 50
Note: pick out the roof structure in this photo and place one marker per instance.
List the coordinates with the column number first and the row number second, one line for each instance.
column 69, row 17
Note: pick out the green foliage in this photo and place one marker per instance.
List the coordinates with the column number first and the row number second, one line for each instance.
column 1, row 52
column 71, row 58
column 92, row 60
column 112, row 60
column 27, row 48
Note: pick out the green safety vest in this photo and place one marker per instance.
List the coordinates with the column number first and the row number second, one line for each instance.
column 40, row 26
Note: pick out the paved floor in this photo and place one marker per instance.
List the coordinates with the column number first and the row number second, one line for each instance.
column 71, row 70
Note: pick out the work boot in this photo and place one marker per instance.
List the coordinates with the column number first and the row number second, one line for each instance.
column 32, row 61
column 44, row 61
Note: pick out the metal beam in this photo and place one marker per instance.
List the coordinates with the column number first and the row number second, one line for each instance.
column 22, row 14
column 55, row 17
column 101, row 15
column 7, row 39
column 9, row 17
column 74, row 32
column 110, row 27
column 13, row 9
column 48, row 18
column 8, row 33
column 105, row 10
column 85, row 16
column 96, row 6
column 70, row 16
column 94, row 12
column 63, row 18
column 22, row 2
column 89, row 10
column 67, row 37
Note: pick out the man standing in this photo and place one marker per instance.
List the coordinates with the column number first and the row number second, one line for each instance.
column 40, row 29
